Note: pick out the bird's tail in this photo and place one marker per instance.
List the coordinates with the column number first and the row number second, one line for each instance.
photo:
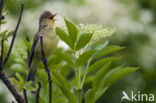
column 31, row 75
column 32, row 72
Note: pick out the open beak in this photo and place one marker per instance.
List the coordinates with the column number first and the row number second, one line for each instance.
column 52, row 17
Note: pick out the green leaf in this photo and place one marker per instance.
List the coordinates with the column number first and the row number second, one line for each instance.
column 9, row 4
column 101, row 62
column 9, row 35
column 42, row 74
column 70, row 96
column 107, row 76
column 19, row 77
column 84, row 57
column 20, row 83
column 83, row 40
column 89, row 96
column 61, row 80
column 63, row 85
column 3, row 34
column 65, row 70
column 65, row 57
column 89, row 79
column 29, row 88
column 97, row 81
column 63, row 36
column 119, row 73
column 98, row 45
column 72, row 30
column 14, row 81
column 111, row 77
column 99, row 93
column 100, row 74
column 108, row 50
column 28, row 44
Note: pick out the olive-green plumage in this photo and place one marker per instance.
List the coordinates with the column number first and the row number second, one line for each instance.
column 46, row 30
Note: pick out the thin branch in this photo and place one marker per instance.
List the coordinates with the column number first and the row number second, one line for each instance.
column 38, row 92
column 11, row 87
column 28, row 56
column 3, row 76
column 47, row 70
column 32, row 49
column 27, row 50
column 25, row 96
column 14, row 35
column 1, row 56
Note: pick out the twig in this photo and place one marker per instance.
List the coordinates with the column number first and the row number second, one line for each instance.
column 38, row 92
column 33, row 49
column 28, row 52
column 47, row 70
column 14, row 35
column 28, row 56
column 25, row 95
column 1, row 56
column 11, row 87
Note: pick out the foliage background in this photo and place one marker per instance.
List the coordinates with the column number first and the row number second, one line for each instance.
column 134, row 20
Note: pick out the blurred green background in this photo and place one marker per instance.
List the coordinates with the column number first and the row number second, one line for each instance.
column 134, row 20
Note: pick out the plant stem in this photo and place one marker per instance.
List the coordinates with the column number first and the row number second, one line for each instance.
column 85, row 74
column 14, row 35
column 80, row 95
column 12, row 88
column 47, row 70
column 78, row 80
column 79, row 77
column 38, row 92
column 1, row 56
column 3, row 75
column 25, row 95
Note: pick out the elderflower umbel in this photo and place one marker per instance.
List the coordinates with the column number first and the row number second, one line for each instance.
column 99, row 32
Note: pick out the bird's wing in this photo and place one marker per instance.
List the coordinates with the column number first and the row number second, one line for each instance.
column 36, row 38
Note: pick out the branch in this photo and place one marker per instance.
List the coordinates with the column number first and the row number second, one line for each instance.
column 11, row 87
column 25, row 96
column 47, row 70
column 38, row 92
column 1, row 56
column 28, row 52
column 14, row 35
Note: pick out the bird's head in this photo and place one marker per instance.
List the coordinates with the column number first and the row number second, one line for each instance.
column 47, row 19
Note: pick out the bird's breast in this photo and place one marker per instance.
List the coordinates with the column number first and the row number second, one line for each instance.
column 49, row 42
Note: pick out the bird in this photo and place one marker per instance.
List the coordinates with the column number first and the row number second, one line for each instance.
column 47, row 31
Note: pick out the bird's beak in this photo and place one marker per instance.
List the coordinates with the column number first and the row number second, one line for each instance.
column 52, row 17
